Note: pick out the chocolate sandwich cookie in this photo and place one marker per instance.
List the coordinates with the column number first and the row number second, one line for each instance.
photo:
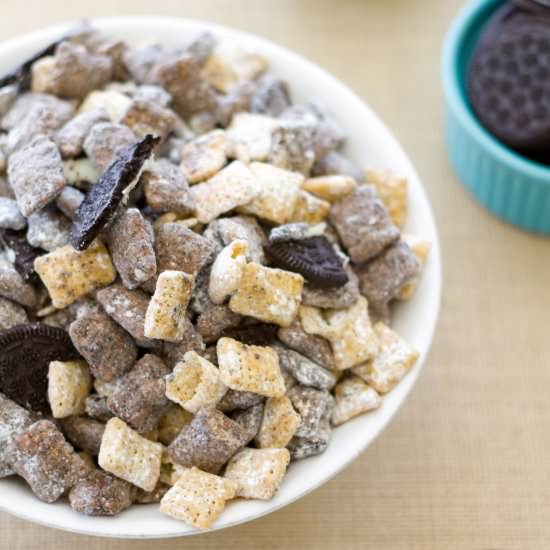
column 313, row 258
column 509, row 76
column 27, row 351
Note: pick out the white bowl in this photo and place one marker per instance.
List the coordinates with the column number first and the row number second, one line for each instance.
column 370, row 142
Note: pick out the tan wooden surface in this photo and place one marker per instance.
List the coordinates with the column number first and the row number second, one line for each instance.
column 466, row 462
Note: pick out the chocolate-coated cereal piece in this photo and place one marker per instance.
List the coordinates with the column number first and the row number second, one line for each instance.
column 68, row 274
column 101, row 494
column 180, row 78
column 292, row 146
column 271, row 96
column 69, row 200
column 151, row 497
column 105, row 142
column 70, row 137
column 96, row 407
column 10, row 215
column 179, row 248
column 382, row 279
column 421, row 249
column 59, row 111
column 147, row 117
column 192, row 341
column 215, row 320
column 71, row 73
column 40, row 156
column 235, row 400
column 140, row 399
column 48, row 229
column 363, row 224
column 13, row 287
column 102, row 201
column 26, row 353
column 129, row 456
column 130, row 239
column 250, row 419
column 304, row 370
column 127, row 308
column 13, row 420
column 311, row 404
column 84, row 433
column 253, row 334
column 108, row 349
column 314, row 347
column 41, row 455
column 225, row 230
column 208, row 441
column 166, row 189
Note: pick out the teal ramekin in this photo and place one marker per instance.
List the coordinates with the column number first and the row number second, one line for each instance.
column 506, row 183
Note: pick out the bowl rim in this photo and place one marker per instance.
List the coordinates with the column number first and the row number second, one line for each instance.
column 433, row 304
column 452, row 47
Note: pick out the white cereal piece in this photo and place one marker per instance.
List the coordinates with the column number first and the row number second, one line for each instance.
column 270, row 295
column 309, row 209
column 195, row 383
column 79, row 171
column 128, row 455
column 204, row 156
column 250, row 136
column 68, row 274
column 349, row 332
column 421, row 249
column 279, row 423
column 250, row 368
column 394, row 359
column 165, row 317
column 331, row 187
column 352, row 398
column 226, row 272
column 279, row 193
column 231, row 63
column 113, row 102
column 197, row 498
column 258, row 472
column 231, row 187
column 42, row 71
column 392, row 189
column 69, row 384
column 10, row 215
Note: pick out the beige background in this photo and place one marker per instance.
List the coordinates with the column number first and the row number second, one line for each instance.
column 466, row 462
